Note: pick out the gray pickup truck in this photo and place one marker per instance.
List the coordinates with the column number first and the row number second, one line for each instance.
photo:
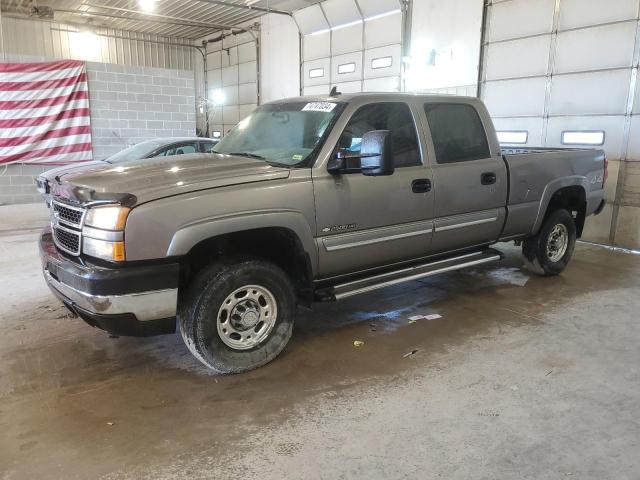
column 307, row 199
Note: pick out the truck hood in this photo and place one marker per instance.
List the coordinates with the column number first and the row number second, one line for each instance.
column 144, row 180
column 65, row 170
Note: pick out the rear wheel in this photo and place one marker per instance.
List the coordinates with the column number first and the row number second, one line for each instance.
column 549, row 252
column 238, row 315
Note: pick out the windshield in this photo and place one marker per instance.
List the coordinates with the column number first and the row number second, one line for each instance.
column 135, row 152
column 284, row 133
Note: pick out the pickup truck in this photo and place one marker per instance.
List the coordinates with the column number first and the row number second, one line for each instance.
column 307, row 199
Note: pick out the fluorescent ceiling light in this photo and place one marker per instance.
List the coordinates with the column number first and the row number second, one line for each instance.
column 355, row 22
column 147, row 5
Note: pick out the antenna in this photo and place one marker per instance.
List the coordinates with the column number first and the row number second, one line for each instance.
column 334, row 92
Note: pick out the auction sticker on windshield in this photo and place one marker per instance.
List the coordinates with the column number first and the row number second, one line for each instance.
column 319, row 107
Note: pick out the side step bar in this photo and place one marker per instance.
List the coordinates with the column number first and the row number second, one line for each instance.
column 387, row 279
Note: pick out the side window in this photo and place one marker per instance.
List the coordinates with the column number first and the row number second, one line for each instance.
column 185, row 148
column 457, row 132
column 395, row 117
column 206, row 147
column 167, row 152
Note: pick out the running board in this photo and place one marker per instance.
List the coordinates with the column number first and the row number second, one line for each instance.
column 416, row 272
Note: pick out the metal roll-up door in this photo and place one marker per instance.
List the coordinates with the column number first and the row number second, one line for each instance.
column 354, row 45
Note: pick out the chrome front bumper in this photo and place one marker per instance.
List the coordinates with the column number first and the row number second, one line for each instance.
column 138, row 300
column 151, row 305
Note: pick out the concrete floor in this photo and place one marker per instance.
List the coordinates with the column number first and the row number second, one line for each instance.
column 522, row 377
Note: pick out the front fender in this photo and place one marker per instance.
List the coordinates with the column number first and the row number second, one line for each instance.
column 190, row 235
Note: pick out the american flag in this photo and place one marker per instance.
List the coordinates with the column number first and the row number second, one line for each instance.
column 44, row 113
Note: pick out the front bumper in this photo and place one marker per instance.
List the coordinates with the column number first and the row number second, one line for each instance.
column 127, row 300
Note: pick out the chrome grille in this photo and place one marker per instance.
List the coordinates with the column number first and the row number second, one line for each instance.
column 66, row 224
column 68, row 214
column 67, row 240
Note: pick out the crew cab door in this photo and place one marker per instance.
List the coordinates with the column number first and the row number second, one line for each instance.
column 365, row 221
column 470, row 184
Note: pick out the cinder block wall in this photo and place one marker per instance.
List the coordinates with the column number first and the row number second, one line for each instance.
column 129, row 104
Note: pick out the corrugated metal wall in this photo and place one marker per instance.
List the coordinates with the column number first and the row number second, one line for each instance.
column 56, row 40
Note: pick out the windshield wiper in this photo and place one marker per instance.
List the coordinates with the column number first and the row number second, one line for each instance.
column 248, row 154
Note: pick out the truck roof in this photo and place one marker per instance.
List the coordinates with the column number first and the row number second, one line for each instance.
column 347, row 97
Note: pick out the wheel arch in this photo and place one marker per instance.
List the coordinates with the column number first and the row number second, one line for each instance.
column 569, row 193
column 280, row 238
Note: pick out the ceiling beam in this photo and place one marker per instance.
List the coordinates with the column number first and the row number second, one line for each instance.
column 247, row 7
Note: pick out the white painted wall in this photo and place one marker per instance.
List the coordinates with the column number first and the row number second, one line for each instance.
column 280, row 58
column 445, row 46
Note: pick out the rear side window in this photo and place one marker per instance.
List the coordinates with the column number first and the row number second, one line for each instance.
column 457, row 132
column 206, row 147
column 395, row 117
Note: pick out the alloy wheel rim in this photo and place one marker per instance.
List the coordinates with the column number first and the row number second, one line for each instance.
column 246, row 317
column 557, row 242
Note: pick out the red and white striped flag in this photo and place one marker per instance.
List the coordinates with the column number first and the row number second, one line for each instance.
column 44, row 113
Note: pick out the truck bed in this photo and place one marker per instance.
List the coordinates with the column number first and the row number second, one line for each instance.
column 535, row 173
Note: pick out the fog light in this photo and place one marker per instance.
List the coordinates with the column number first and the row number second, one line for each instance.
column 111, row 251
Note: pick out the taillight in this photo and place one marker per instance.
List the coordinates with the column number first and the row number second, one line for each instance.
column 606, row 171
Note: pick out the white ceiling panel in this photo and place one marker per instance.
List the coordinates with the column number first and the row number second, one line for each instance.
column 383, row 31
column 340, row 12
column 316, row 46
column 393, row 51
column 523, row 97
column 383, row 84
column 595, row 48
column 348, row 39
column 589, row 93
column 531, row 125
column 506, row 59
column 310, row 19
column 519, row 18
column 580, row 13
column 372, row 8
column 613, row 128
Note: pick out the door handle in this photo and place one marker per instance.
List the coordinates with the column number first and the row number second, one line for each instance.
column 421, row 185
column 488, row 178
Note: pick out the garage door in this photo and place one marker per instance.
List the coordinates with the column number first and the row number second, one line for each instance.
column 576, row 84
column 354, row 45
column 573, row 85
column 232, row 75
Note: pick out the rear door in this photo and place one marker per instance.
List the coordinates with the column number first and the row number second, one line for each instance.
column 470, row 184
column 365, row 221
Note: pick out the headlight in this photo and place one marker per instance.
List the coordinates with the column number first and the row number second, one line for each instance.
column 112, row 251
column 111, row 217
column 103, row 232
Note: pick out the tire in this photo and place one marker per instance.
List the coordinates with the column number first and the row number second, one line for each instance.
column 549, row 251
column 225, row 317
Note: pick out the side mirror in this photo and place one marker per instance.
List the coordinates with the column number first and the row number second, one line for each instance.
column 376, row 153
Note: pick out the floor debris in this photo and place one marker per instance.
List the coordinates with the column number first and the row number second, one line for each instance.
column 409, row 354
column 431, row 316
column 358, row 343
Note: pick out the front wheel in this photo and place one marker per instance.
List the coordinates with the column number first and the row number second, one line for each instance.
column 238, row 315
column 549, row 251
